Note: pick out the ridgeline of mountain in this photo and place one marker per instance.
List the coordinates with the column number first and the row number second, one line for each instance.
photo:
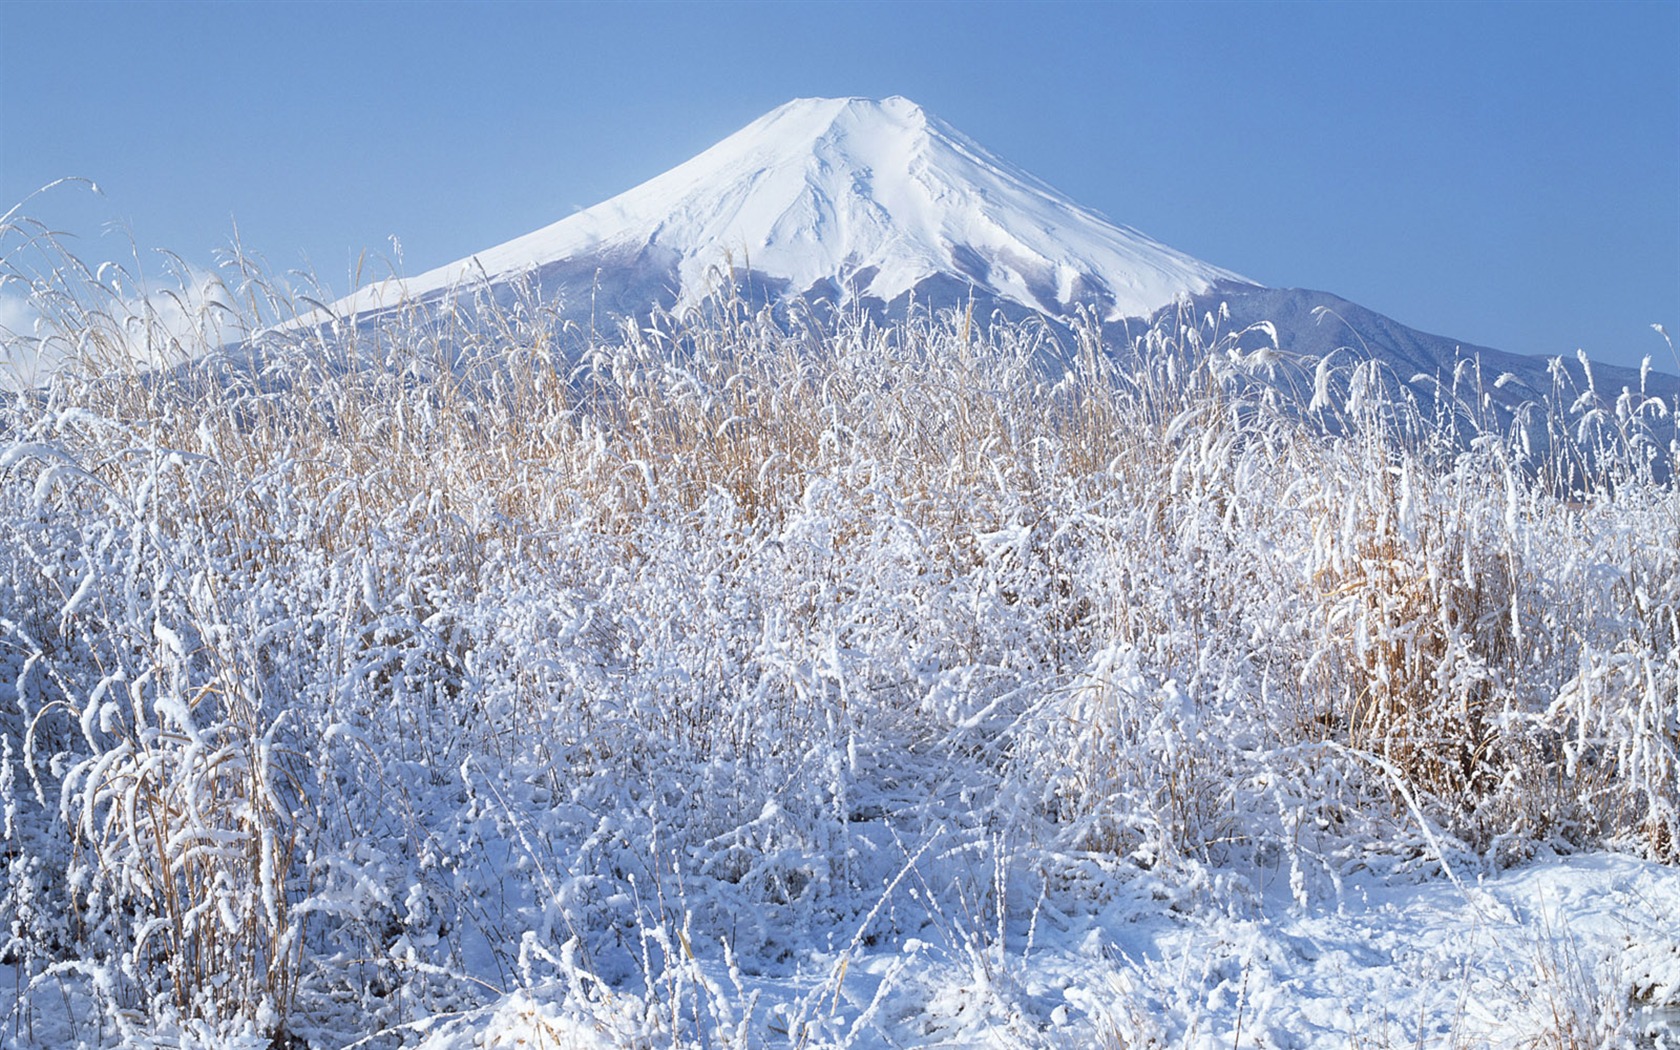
column 875, row 204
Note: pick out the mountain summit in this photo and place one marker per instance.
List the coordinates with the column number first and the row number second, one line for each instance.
column 841, row 199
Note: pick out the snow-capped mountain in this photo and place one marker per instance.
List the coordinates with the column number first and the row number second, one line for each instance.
column 855, row 201
column 841, row 199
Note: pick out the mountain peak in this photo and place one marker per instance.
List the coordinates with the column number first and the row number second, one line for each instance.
column 811, row 119
column 847, row 198
column 894, row 108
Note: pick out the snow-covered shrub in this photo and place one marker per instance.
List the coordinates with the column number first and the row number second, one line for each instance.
column 379, row 667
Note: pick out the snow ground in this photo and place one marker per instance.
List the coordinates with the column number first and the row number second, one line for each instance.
column 1566, row 951
column 1580, row 951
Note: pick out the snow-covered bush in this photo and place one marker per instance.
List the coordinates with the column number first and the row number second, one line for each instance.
column 377, row 665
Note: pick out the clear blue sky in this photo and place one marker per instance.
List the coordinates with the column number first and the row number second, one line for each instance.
column 1507, row 174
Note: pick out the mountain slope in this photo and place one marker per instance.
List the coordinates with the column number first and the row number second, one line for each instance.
column 1311, row 325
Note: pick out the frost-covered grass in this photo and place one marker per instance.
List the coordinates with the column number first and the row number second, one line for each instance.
column 735, row 682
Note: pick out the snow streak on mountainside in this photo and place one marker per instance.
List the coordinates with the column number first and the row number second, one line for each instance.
column 838, row 198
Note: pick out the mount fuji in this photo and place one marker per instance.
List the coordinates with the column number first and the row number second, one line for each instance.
column 877, row 204
column 848, row 199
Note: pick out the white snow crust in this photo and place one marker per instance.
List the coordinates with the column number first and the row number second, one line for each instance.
column 876, row 196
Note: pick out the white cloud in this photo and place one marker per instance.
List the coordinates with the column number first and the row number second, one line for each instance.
column 19, row 363
column 155, row 325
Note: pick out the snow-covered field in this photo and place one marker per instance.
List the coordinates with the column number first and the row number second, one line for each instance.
column 468, row 682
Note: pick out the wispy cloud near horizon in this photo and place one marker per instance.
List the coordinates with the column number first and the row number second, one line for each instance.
column 142, row 325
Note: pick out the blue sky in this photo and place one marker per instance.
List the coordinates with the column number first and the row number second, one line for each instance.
column 1507, row 174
